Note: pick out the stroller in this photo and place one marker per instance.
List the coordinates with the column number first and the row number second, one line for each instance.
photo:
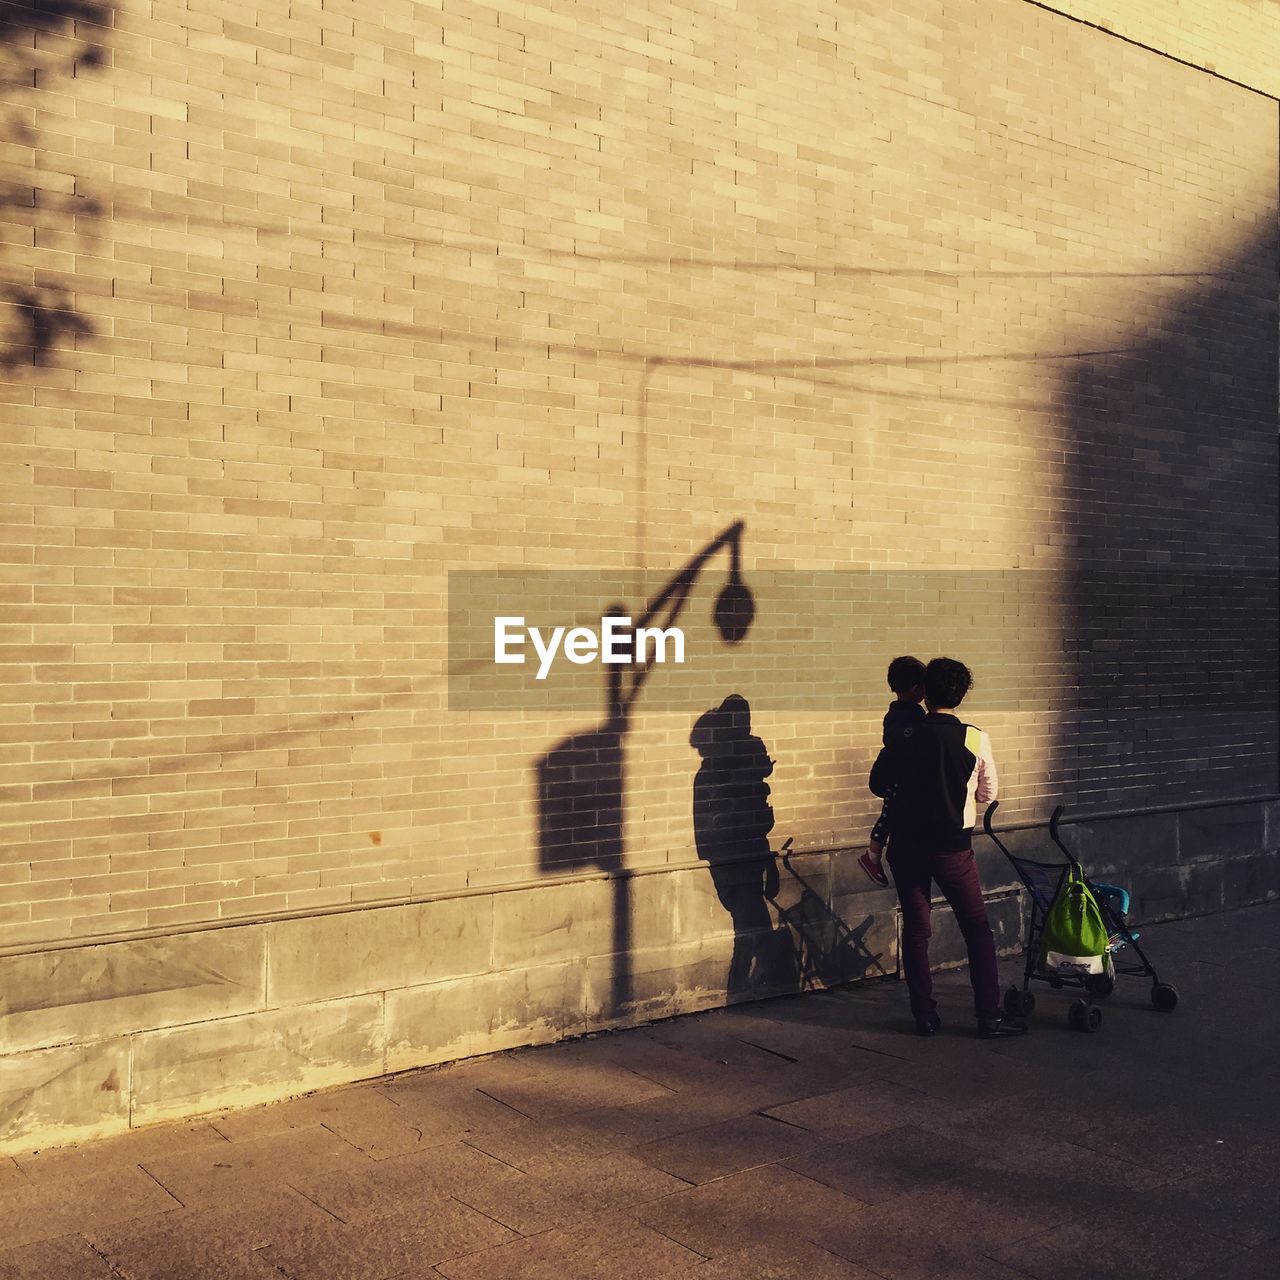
column 1042, row 881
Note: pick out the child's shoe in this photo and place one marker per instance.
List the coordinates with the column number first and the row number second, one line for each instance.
column 873, row 869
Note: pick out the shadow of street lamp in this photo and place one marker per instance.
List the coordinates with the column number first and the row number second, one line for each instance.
column 581, row 781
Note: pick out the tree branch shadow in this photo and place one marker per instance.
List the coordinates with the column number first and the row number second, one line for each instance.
column 39, row 317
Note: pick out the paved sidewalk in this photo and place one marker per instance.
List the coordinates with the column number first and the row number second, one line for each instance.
column 809, row 1137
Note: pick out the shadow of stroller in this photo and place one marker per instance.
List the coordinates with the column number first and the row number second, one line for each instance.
column 827, row 950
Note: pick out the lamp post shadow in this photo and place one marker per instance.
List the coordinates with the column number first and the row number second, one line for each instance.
column 580, row 784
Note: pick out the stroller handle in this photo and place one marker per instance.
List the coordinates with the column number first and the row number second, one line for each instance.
column 990, row 830
column 1054, row 819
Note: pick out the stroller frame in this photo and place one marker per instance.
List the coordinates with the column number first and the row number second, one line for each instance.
column 1042, row 881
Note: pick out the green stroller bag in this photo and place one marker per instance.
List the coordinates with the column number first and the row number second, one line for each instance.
column 1074, row 940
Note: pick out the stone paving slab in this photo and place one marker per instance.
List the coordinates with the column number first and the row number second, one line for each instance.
column 609, row 1247
column 1120, row 1244
column 70, row 1164
column 772, row 1262
column 808, row 1137
column 225, row 1243
column 769, row 1207
column 437, row 1228
column 717, row 1150
column 42, row 1211
column 61, row 1256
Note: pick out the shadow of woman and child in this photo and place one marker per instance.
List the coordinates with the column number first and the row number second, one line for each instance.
column 785, row 934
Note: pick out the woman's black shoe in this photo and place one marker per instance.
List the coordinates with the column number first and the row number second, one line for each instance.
column 927, row 1026
column 1001, row 1028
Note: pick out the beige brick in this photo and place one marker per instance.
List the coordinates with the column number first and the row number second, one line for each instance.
column 1219, row 35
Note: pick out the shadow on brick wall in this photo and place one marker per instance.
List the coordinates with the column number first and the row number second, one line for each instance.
column 43, row 43
column 1170, row 592
column 732, row 818
column 580, row 783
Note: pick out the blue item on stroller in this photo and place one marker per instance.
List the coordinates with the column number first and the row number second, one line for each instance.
column 1117, row 900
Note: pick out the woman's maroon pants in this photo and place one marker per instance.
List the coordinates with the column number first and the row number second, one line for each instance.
column 956, row 875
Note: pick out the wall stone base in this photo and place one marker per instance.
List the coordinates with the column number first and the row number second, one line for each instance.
column 103, row 1037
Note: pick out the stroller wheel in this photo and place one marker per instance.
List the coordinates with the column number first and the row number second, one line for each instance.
column 1164, row 997
column 1019, row 1003
column 1084, row 1016
column 1100, row 985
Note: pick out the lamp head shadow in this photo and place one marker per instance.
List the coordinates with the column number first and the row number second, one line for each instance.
column 735, row 610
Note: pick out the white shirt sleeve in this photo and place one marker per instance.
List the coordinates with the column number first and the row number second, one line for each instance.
column 988, row 780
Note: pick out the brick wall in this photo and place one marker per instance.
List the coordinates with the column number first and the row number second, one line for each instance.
column 1235, row 38
column 308, row 306
column 356, row 302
